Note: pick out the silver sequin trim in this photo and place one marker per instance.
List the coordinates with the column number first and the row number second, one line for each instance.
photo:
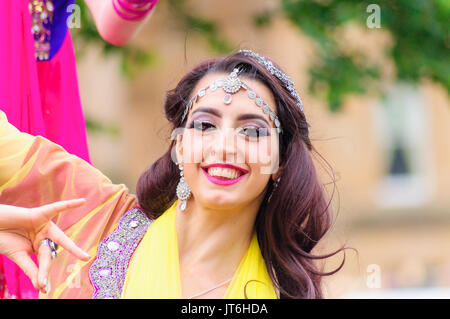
column 107, row 273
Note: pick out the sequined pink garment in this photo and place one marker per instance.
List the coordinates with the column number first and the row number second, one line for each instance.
column 40, row 98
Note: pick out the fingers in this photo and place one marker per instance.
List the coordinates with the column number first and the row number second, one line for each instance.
column 45, row 262
column 24, row 261
column 58, row 236
column 51, row 210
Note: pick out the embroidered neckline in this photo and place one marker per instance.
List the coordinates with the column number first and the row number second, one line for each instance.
column 107, row 272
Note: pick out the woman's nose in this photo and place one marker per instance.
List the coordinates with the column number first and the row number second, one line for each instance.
column 224, row 145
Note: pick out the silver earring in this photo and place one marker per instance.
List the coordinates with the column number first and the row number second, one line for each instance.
column 275, row 184
column 183, row 190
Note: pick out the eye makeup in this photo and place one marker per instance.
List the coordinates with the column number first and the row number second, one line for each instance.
column 241, row 117
column 200, row 124
column 250, row 130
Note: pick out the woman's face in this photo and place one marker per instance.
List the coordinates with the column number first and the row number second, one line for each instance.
column 239, row 134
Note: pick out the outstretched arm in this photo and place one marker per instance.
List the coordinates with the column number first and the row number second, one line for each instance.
column 116, row 27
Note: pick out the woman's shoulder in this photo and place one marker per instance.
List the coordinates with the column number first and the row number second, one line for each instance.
column 108, row 271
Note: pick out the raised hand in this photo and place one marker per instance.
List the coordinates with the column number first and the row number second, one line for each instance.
column 23, row 229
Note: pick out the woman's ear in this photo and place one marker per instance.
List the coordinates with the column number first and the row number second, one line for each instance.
column 277, row 173
column 179, row 148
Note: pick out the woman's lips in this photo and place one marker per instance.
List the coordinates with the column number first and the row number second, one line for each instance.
column 220, row 181
column 223, row 165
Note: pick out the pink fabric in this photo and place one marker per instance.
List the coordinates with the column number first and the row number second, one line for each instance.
column 40, row 98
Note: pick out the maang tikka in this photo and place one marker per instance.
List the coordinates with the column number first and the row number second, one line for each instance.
column 231, row 85
column 183, row 190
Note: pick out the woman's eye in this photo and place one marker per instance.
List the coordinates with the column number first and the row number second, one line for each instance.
column 255, row 132
column 201, row 125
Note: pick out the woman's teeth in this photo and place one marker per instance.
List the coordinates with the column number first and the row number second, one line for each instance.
column 227, row 173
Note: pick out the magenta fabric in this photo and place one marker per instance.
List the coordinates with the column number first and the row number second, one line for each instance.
column 40, row 98
column 60, row 101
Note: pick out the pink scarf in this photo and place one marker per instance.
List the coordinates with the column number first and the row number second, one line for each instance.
column 40, row 98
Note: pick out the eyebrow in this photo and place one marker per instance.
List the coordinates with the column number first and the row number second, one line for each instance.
column 242, row 117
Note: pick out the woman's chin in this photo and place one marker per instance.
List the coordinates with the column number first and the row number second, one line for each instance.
column 218, row 199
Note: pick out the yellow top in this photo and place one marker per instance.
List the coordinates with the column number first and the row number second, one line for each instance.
column 154, row 268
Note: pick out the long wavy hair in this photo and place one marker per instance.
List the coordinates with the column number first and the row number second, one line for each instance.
column 298, row 214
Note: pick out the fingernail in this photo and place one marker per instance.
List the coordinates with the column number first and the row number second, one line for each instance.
column 47, row 288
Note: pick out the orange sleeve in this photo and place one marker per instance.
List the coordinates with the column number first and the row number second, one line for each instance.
column 35, row 171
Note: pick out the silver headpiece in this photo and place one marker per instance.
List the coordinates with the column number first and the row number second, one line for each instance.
column 276, row 72
column 231, row 85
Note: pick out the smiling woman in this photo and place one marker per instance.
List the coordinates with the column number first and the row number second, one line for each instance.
column 283, row 205
column 233, row 209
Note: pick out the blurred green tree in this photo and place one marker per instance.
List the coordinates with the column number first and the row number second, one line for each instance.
column 419, row 30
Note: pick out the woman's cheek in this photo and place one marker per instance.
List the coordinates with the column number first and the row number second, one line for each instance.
column 271, row 158
column 260, row 155
column 193, row 147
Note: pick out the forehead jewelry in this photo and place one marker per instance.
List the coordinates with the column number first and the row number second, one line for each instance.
column 288, row 84
column 231, row 85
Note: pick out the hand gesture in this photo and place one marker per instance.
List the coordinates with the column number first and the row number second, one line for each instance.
column 23, row 229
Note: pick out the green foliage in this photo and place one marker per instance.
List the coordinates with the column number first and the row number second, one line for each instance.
column 338, row 76
column 94, row 126
column 263, row 19
column 419, row 29
column 204, row 27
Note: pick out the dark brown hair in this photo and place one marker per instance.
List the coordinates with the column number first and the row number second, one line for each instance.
column 298, row 215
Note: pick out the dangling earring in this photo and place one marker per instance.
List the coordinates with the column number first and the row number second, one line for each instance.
column 183, row 190
column 275, row 184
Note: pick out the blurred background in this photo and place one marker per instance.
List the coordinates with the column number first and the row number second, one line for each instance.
column 374, row 79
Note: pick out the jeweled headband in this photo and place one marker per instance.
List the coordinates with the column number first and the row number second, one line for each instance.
column 288, row 84
column 231, row 85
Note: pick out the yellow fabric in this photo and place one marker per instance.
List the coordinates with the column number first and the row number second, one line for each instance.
column 154, row 268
